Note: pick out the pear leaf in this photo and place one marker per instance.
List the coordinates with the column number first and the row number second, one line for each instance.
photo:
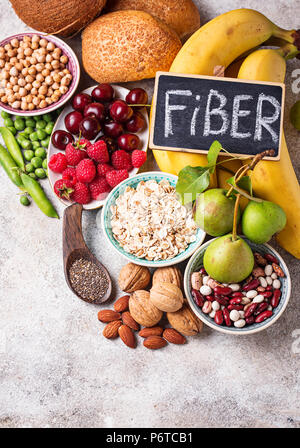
column 244, row 183
column 192, row 181
column 213, row 154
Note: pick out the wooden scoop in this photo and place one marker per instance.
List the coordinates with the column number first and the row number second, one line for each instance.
column 74, row 248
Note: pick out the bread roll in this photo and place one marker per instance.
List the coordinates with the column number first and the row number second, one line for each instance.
column 127, row 46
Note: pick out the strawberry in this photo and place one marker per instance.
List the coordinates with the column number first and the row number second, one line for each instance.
column 121, row 160
column 58, row 163
column 70, row 175
column 98, row 152
column 75, row 154
column 63, row 189
column 114, row 177
column 81, row 193
column 103, row 168
column 138, row 158
column 98, row 187
column 85, row 171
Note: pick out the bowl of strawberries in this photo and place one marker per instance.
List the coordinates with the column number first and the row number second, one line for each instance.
column 99, row 140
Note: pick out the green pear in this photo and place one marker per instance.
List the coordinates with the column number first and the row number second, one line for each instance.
column 261, row 220
column 228, row 261
column 213, row 212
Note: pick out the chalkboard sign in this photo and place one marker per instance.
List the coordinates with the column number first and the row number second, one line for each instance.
column 190, row 112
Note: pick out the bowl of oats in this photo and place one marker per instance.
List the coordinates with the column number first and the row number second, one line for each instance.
column 145, row 222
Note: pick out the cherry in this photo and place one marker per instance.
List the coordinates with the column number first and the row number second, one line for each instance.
column 60, row 139
column 120, row 111
column 103, row 93
column 113, row 129
column 129, row 142
column 72, row 121
column 136, row 123
column 110, row 143
column 89, row 127
column 80, row 101
column 137, row 96
column 96, row 110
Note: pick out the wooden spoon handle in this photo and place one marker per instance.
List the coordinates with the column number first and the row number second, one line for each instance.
column 72, row 229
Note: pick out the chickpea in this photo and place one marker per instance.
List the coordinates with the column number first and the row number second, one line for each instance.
column 33, row 60
column 50, row 91
column 43, row 51
column 7, row 66
column 28, row 98
column 49, row 100
column 41, row 97
column 36, row 84
column 8, row 87
column 4, row 74
column 30, row 106
column 13, row 80
column 54, row 98
column 4, row 99
column 40, row 77
column 7, row 47
column 21, row 82
column 17, row 96
column 41, row 58
column 20, row 56
column 16, row 88
column 13, row 71
column 34, row 91
column 26, row 38
column 32, row 71
column 63, row 89
column 13, row 60
column 43, row 43
column 64, row 59
column 40, row 67
column 49, row 58
column 46, row 72
column 55, row 64
column 48, row 66
column 49, row 80
column 43, row 90
column 65, row 81
column 24, row 105
column 50, row 46
column 2, row 93
column 11, row 97
column 26, row 45
column 12, row 53
column 35, row 38
column 29, row 78
column 55, row 56
column 19, row 66
column 22, row 92
column 26, row 63
column 2, row 63
column 34, row 45
column 55, row 86
column 28, row 87
column 42, row 104
column 16, row 105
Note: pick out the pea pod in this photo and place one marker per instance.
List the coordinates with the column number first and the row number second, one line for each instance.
column 10, row 167
column 12, row 146
column 38, row 195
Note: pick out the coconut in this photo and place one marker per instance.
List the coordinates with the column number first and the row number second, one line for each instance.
column 62, row 17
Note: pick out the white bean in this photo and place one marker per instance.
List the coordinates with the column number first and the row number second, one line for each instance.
column 276, row 284
column 245, row 300
column 240, row 323
column 268, row 269
column 270, row 308
column 251, row 294
column 215, row 305
column 205, row 290
column 212, row 314
column 205, row 279
column 258, row 299
column 263, row 282
column 225, row 284
column 235, row 287
column 234, row 315
column 269, row 280
column 242, row 314
column 274, row 276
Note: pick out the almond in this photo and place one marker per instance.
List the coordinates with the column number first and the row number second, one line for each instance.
column 154, row 342
column 129, row 321
column 121, row 304
column 108, row 315
column 111, row 329
column 127, row 336
column 173, row 336
column 152, row 331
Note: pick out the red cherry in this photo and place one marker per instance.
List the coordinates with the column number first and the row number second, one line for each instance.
column 103, row 93
column 136, row 123
column 72, row 122
column 89, row 128
column 129, row 142
column 137, row 96
column 120, row 111
column 61, row 138
column 80, row 101
column 113, row 129
column 96, row 110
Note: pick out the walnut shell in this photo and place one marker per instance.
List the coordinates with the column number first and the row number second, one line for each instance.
column 185, row 321
column 166, row 296
column 133, row 277
column 168, row 275
column 142, row 310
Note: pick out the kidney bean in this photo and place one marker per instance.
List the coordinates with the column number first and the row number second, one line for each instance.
column 210, row 298
column 219, row 317
column 249, row 320
column 206, row 307
column 269, row 288
column 226, row 317
column 278, row 271
column 271, row 258
column 267, row 294
column 249, row 311
column 203, row 271
column 235, row 307
column 198, row 298
column 235, row 301
column 222, row 290
column 276, row 297
column 261, row 289
column 251, row 285
column 237, row 294
column 262, row 307
column 263, row 316
column 221, row 300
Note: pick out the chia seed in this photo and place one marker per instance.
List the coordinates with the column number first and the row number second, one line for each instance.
column 88, row 280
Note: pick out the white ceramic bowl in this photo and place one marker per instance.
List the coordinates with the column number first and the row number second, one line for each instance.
column 197, row 261
column 106, row 219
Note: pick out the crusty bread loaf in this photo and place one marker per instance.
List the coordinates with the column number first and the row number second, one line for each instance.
column 127, row 46
column 181, row 15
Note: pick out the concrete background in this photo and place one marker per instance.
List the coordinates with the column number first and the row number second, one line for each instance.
column 56, row 370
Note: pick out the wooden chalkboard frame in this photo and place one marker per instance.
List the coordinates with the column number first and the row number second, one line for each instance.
column 199, row 151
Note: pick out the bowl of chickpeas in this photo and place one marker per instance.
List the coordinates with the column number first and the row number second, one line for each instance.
column 38, row 74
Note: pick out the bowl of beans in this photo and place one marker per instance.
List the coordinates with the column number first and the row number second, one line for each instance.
column 38, row 74
column 239, row 308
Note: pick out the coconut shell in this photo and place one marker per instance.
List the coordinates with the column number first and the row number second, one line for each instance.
column 181, row 15
column 62, row 17
column 127, row 46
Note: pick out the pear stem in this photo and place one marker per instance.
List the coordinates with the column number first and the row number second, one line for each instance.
column 235, row 215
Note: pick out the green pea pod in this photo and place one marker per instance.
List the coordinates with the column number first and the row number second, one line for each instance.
column 38, row 195
column 13, row 147
column 10, row 167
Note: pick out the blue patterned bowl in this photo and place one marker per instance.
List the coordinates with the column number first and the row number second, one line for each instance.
column 197, row 261
column 106, row 219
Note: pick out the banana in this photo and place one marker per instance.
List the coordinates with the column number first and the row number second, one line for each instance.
column 276, row 181
column 219, row 42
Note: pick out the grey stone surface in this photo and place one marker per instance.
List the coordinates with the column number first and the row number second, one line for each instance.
column 56, row 370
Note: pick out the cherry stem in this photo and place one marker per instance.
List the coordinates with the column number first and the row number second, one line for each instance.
column 235, row 215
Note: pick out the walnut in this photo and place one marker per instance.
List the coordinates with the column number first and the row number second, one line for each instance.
column 185, row 321
column 133, row 277
column 168, row 275
column 142, row 310
column 166, row 296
